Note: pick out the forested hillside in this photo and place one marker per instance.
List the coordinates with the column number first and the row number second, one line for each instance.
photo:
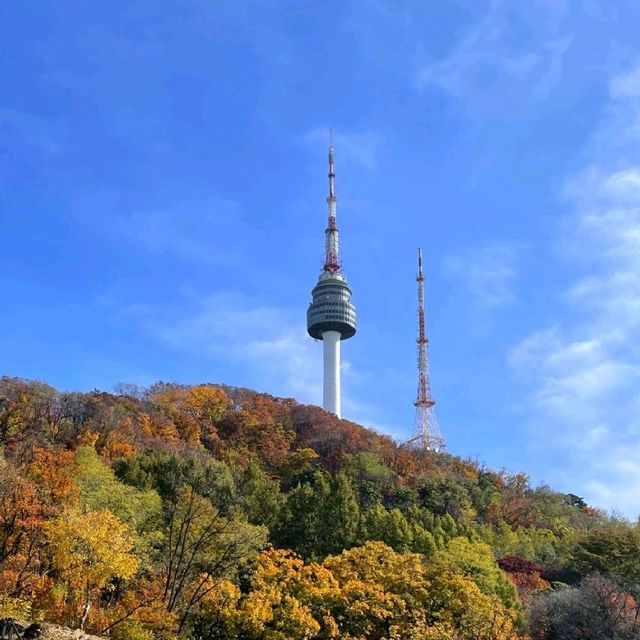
column 216, row 512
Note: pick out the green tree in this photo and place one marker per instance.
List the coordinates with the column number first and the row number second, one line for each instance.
column 390, row 527
column 320, row 519
column 257, row 496
column 370, row 477
column 297, row 526
column 613, row 549
column 201, row 547
column 443, row 496
column 339, row 516
column 475, row 561
column 168, row 473
column 141, row 510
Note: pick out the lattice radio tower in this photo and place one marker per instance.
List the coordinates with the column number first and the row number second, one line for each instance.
column 426, row 433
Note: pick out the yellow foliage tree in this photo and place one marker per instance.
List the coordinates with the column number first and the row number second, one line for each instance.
column 278, row 606
column 192, row 410
column 366, row 593
column 207, row 402
column 89, row 550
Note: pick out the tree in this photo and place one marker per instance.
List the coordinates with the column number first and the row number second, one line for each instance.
column 168, row 473
column 141, row 510
column 366, row 593
column 21, row 516
column 320, row 519
column 443, row 496
column 281, row 605
column 201, row 547
column 29, row 407
column 525, row 575
column 339, row 516
column 90, row 550
column 386, row 594
column 390, row 527
column 299, row 466
column 612, row 549
column 475, row 561
column 297, row 526
column 599, row 609
column 258, row 496
column 370, row 476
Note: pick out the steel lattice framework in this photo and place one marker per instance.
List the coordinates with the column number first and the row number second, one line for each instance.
column 426, row 433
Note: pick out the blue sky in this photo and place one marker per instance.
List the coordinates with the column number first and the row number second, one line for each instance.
column 162, row 185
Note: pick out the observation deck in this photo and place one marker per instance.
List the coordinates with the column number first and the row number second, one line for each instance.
column 331, row 309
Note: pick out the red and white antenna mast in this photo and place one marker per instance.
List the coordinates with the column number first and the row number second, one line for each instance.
column 331, row 243
column 426, row 433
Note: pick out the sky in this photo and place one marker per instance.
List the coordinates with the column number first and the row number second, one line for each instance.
column 162, row 211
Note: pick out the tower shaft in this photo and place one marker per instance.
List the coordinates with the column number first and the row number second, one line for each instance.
column 331, row 370
column 426, row 433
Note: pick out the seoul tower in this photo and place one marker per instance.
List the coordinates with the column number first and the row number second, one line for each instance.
column 331, row 316
column 426, row 433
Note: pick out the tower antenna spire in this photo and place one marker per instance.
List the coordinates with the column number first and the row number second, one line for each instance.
column 332, row 245
column 426, row 433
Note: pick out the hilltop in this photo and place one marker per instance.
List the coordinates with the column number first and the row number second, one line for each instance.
column 218, row 512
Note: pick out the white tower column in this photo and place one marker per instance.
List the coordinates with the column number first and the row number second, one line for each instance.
column 331, row 357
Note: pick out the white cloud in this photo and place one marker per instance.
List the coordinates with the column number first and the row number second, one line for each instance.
column 268, row 345
column 584, row 371
column 626, row 85
column 211, row 231
column 357, row 147
column 278, row 355
column 495, row 61
column 487, row 273
column 45, row 134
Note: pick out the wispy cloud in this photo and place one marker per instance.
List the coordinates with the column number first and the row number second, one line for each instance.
column 275, row 351
column 268, row 344
column 488, row 274
column 357, row 147
column 494, row 57
column 585, row 370
column 626, row 84
column 20, row 127
column 211, row 231
column 195, row 231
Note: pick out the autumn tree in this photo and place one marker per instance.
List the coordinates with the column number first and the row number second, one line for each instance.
column 526, row 575
column 89, row 550
column 22, row 514
column 599, row 609
column 29, row 408
column 475, row 560
column 201, row 547
column 366, row 593
column 140, row 510
column 285, row 602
